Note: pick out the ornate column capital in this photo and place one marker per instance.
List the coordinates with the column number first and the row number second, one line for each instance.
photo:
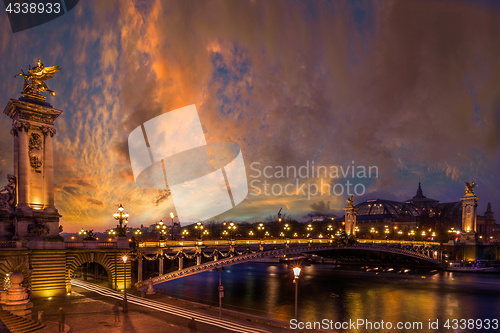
column 48, row 130
column 19, row 125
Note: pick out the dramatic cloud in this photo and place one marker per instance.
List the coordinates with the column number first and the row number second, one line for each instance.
column 412, row 87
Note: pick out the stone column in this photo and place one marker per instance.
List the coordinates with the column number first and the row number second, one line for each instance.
column 20, row 129
column 139, row 273
column 48, row 167
column 181, row 263
column 469, row 213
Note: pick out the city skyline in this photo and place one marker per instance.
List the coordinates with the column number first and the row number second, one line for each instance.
column 411, row 88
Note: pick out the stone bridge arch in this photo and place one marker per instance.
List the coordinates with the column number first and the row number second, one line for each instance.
column 111, row 261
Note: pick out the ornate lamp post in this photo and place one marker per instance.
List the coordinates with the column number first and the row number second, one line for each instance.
column 82, row 233
column 267, row 234
column 309, row 230
column 250, row 233
column 400, row 233
column 261, row 229
column 286, row 228
column 199, row 227
column 172, row 217
column 125, row 307
column 122, row 218
column 221, row 289
column 185, row 233
column 356, row 230
column 296, row 274
column 231, row 228
column 162, row 229
column 205, row 233
column 329, row 229
column 387, row 233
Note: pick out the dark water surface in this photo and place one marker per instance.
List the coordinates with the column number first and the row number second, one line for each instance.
column 267, row 290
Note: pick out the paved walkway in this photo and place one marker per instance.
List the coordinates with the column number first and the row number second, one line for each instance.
column 87, row 311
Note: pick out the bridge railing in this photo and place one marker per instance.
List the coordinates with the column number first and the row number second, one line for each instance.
column 90, row 245
column 13, row 244
column 243, row 242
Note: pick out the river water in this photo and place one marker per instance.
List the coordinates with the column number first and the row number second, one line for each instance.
column 266, row 289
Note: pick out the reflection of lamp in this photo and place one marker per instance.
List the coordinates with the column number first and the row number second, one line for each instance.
column 125, row 308
column 296, row 274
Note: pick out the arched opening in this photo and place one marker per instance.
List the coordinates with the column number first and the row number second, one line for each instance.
column 92, row 272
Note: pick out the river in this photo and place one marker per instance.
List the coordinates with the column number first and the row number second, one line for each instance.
column 266, row 289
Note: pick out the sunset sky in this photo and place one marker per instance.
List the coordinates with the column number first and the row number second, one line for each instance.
column 411, row 87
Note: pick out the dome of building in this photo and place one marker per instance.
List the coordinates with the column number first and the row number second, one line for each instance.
column 387, row 207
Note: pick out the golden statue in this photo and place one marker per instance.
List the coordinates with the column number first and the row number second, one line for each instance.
column 350, row 201
column 37, row 75
column 469, row 188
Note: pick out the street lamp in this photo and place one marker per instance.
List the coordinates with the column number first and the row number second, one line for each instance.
column 250, row 233
column 286, row 228
column 162, row 228
column 221, row 289
column 309, row 229
column 356, row 230
column 400, row 233
column 329, row 229
column 296, row 274
column 125, row 308
column 261, row 229
column 231, row 228
column 205, row 233
column 122, row 218
column 224, row 233
column 172, row 217
column 199, row 227
column 185, row 233
column 82, row 233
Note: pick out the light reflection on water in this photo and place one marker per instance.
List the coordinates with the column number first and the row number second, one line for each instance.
column 267, row 290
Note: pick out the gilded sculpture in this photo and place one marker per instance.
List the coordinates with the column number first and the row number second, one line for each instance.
column 469, row 188
column 34, row 81
column 350, row 201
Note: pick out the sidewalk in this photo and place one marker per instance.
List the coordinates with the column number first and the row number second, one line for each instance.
column 90, row 312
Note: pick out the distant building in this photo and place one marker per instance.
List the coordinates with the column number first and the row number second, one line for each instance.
column 379, row 215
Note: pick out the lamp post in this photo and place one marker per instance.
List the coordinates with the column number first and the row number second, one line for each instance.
column 400, row 233
column 309, row 230
column 185, row 233
column 199, row 227
column 122, row 218
column 172, row 217
column 231, row 228
column 125, row 308
column 221, row 289
column 356, row 230
column 261, row 229
column 296, row 273
column 286, row 228
column 162, row 228
column 82, row 233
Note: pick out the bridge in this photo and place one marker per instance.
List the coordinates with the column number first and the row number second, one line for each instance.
column 424, row 251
